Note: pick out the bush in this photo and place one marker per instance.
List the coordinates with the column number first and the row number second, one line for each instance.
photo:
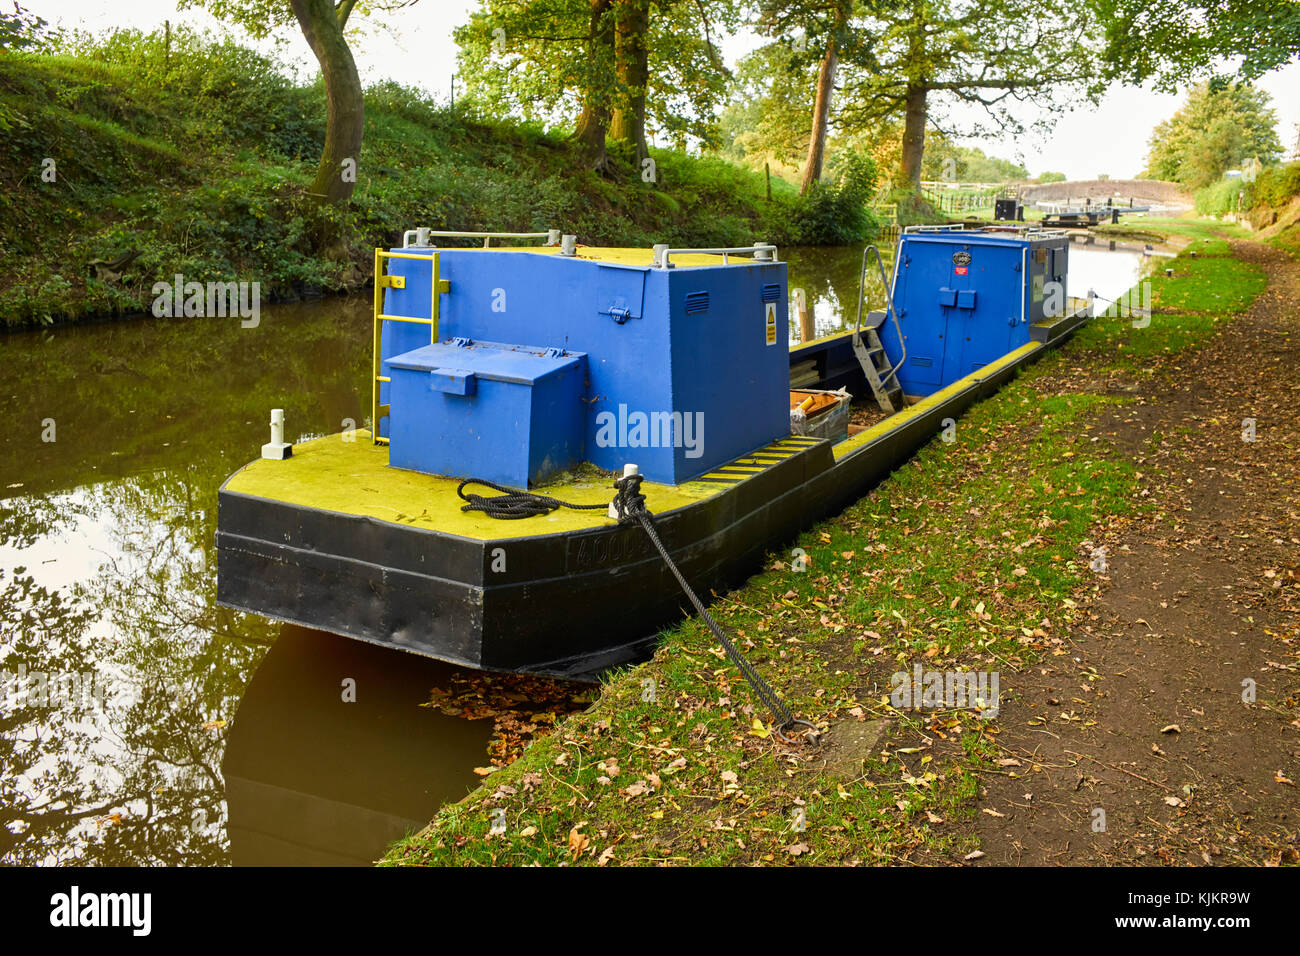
column 1275, row 186
column 836, row 212
column 1219, row 199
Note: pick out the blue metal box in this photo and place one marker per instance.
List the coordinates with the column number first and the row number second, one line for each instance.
column 687, row 367
column 507, row 413
column 965, row 298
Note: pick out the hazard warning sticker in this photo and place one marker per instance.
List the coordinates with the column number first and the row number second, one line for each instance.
column 771, row 323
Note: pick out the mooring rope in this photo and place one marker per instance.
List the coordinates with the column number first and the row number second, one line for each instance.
column 629, row 503
column 513, row 503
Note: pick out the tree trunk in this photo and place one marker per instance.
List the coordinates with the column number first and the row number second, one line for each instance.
column 632, row 68
column 913, row 138
column 812, row 169
column 323, row 28
column 593, row 121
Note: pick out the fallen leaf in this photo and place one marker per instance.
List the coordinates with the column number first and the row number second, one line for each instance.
column 577, row 842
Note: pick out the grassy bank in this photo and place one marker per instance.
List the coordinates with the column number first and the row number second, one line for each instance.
column 974, row 556
column 124, row 161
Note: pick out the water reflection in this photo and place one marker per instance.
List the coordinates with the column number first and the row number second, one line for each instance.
column 332, row 758
column 107, row 571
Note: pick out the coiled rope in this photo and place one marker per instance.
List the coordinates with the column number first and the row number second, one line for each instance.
column 629, row 504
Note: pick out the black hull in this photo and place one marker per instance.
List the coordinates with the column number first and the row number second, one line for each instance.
column 569, row 604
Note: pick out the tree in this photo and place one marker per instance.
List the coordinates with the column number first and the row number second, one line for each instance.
column 1169, row 40
column 768, row 114
column 989, row 169
column 324, row 24
column 620, row 65
column 1214, row 131
column 821, row 25
column 994, row 54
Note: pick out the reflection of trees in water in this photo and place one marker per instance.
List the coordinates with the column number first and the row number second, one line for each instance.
column 146, row 624
column 158, row 413
column 830, row 277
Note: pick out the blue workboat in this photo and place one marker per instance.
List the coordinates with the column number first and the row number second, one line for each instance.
column 523, row 382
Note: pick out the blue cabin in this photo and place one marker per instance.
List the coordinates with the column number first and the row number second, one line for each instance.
column 965, row 298
column 516, row 364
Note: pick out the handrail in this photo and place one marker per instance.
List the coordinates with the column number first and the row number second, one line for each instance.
column 422, row 235
column 889, row 305
column 759, row 252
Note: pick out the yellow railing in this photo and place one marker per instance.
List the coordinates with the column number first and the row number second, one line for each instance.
column 384, row 281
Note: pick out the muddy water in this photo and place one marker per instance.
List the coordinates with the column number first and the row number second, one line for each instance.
column 146, row 725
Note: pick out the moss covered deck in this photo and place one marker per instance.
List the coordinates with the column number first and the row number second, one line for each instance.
column 353, row 477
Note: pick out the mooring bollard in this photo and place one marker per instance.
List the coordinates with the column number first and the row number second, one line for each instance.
column 277, row 449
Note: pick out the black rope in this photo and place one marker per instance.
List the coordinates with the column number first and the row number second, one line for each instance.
column 629, row 503
column 514, row 504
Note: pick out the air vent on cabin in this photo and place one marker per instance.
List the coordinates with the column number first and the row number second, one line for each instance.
column 771, row 292
column 697, row 303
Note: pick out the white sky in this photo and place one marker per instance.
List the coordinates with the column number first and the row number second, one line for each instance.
column 1111, row 138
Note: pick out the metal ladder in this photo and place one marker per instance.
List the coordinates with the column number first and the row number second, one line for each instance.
column 384, row 281
column 881, row 376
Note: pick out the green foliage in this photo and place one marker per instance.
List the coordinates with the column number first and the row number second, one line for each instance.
column 914, row 209
column 1040, row 49
column 196, row 157
column 990, row 169
column 1052, row 178
column 1219, row 199
column 1214, row 131
column 1168, row 41
column 770, row 113
column 20, row 29
column 1275, row 187
column 542, row 60
column 835, row 212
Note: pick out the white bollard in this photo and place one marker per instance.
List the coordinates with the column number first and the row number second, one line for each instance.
column 277, row 449
column 628, row 470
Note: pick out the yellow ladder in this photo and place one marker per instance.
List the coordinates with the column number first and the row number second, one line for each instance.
column 385, row 281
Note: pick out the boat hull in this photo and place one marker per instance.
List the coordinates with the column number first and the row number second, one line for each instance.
column 569, row 604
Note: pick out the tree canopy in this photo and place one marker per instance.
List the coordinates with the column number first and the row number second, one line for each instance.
column 1168, row 41
column 1214, row 131
column 616, row 67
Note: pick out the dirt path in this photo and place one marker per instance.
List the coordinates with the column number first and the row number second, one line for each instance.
column 1196, row 600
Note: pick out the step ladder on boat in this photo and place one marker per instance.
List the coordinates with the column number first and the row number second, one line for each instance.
column 880, row 374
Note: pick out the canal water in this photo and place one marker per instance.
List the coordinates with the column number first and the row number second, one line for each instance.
column 143, row 724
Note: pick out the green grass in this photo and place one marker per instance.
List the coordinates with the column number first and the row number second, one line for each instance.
column 1159, row 230
column 200, row 164
column 972, row 556
column 1209, row 284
